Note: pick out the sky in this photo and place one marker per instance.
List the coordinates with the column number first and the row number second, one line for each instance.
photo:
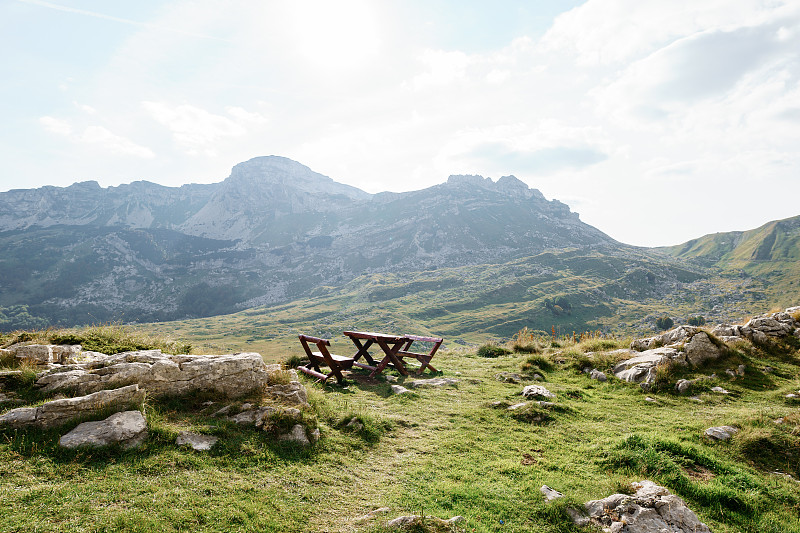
column 658, row 122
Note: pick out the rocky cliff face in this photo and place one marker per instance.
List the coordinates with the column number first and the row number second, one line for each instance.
column 272, row 231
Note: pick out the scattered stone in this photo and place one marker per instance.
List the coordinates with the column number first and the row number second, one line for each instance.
column 390, row 378
column 740, row 370
column 792, row 396
column 516, row 406
column 769, row 370
column 536, row 391
column 651, row 400
column 508, row 377
column 696, row 398
column 538, row 377
column 730, row 372
column 409, row 521
column 246, row 406
column 550, row 494
column 778, row 421
column 432, row 383
column 651, row 509
column 719, row 390
column 9, row 377
column 8, row 397
column 254, row 417
column 598, row 375
column 223, row 411
column 399, row 389
column 128, row 428
column 683, row 386
column 721, row 432
column 196, row 441
column 59, row 412
column 373, row 514
column 208, row 403
column 354, row 424
column 296, row 435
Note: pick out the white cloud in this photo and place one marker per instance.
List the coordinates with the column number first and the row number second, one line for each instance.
column 98, row 137
column 55, row 125
column 441, row 68
column 197, row 130
column 606, row 32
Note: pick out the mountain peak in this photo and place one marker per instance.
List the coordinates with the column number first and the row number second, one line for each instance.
column 507, row 185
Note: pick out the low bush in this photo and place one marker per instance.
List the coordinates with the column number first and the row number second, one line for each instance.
column 491, row 349
column 537, row 363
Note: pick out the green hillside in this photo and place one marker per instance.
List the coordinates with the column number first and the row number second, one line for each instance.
column 566, row 291
column 770, row 254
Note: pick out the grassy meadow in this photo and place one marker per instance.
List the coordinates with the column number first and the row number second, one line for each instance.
column 436, row 452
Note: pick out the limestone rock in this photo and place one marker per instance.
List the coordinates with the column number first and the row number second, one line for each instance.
column 37, row 354
column 196, row 441
column 642, row 367
column 683, row 386
column 719, row 390
column 721, row 432
column 550, row 494
column 508, row 377
column 537, row 391
column 373, row 514
column 651, row 509
column 598, row 375
column 399, row 389
column 432, row 383
column 128, row 428
column 8, row 377
column 700, row 349
column 58, row 412
column 296, row 435
column 167, row 375
column 409, row 521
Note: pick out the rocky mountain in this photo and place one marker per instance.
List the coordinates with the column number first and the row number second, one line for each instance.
column 271, row 232
column 275, row 231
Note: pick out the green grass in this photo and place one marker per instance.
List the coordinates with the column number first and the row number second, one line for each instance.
column 437, row 453
column 108, row 339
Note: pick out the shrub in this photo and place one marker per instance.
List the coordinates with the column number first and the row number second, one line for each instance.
column 491, row 349
column 697, row 320
column 664, row 322
column 293, row 361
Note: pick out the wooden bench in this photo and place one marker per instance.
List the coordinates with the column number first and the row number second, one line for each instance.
column 423, row 358
column 317, row 359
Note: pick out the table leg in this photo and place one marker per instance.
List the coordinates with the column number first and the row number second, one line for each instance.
column 391, row 357
column 362, row 350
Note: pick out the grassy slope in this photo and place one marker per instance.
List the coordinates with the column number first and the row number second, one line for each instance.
column 441, row 452
column 770, row 253
column 620, row 294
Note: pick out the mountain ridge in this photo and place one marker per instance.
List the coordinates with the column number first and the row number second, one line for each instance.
column 275, row 232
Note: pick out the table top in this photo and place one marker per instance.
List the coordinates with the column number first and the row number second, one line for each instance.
column 373, row 335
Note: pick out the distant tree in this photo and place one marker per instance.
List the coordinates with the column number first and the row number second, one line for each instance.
column 697, row 320
column 664, row 322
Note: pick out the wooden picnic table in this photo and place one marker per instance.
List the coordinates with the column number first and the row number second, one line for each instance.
column 389, row 344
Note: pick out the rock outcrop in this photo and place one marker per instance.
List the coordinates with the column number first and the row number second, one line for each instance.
column 57, row 412
column 165, row 375
column 762, row 328
column 650, row 509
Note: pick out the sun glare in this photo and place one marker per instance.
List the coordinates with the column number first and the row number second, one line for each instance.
column 336, row 35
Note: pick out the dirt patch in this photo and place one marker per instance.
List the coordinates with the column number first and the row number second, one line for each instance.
column 699, row 473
